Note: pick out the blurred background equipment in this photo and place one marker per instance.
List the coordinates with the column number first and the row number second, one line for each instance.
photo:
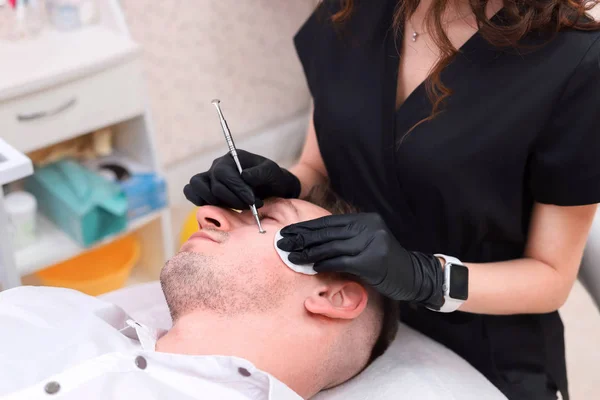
column 21, row 208
column 71, row 14
column 97, row 271
column 71, row 95
column 81, row 203
column 85, row 147
column 190, row 226
column 13, row 167
column 145, row 190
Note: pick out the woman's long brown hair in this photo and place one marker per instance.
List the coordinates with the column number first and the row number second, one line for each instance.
column 521, row 18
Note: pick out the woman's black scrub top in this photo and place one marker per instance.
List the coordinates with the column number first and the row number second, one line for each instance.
column 520, row 127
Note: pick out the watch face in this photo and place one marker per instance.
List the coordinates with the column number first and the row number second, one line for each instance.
column 459, row 282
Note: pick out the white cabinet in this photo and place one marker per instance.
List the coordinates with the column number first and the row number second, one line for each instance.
column 60, row 85
column 61, row 112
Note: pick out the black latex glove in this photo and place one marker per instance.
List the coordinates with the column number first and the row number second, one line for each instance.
column 362, row 245
column 222, row 184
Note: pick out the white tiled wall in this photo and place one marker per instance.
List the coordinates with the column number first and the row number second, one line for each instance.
column 240, row 51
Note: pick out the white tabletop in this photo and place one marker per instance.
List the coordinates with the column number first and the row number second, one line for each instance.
column 53, row 57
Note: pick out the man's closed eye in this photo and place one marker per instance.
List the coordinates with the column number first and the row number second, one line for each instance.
column 266, row 216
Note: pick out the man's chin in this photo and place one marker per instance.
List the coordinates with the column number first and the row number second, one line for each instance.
column 188, row 282
column 194, row 281
column 184, row 264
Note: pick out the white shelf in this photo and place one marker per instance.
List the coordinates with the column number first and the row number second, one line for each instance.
column 53, row 246
column 13, row 165
column 54, row 57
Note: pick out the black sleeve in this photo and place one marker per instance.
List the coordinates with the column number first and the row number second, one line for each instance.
column 304, row 42
column 309, row 42
column 315, row 42
column 565, row 163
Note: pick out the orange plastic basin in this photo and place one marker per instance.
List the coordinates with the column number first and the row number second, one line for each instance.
column 96, row 271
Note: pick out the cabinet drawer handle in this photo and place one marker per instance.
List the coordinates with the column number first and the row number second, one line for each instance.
column 43, row 114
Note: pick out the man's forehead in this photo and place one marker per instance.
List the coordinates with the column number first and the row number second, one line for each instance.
column 280, row 202
column 301, row 209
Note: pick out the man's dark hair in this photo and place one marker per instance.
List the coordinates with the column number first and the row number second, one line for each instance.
column 325, row 197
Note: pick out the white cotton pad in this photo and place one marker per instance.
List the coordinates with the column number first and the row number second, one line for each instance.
column 306, row 269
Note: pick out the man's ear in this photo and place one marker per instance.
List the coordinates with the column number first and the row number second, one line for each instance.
column 342, row 300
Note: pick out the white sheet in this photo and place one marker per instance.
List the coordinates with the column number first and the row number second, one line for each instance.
column 414, row 367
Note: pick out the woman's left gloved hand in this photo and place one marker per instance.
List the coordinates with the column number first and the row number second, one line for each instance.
column 362, row 245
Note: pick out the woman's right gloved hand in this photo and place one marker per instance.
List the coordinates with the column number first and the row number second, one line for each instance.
column 222, row 185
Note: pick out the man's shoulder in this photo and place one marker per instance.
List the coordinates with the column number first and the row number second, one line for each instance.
column 46, row 330
column 63, row 299
column 31, row 310
column 35, row 317
column 35, row 291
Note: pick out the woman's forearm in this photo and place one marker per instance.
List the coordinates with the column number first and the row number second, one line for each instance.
column 308, row 176
column 310, row 169
column 521, row 286
column 542, row 280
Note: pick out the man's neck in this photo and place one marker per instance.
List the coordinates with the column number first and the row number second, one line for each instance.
column 255, row 338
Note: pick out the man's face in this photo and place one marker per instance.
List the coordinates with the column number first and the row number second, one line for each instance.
column 229, row 267
column 233, row 237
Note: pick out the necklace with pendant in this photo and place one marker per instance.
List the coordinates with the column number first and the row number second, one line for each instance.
column 415, row 35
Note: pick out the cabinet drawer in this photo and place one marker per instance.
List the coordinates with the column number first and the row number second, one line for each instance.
column 74, row 108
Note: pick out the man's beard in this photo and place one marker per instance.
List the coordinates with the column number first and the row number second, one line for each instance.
column 192, row 281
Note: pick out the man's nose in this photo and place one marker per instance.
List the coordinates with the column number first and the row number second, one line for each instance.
column 211, row 217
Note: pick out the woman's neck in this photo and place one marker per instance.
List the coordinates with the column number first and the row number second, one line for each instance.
column 455, row 9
